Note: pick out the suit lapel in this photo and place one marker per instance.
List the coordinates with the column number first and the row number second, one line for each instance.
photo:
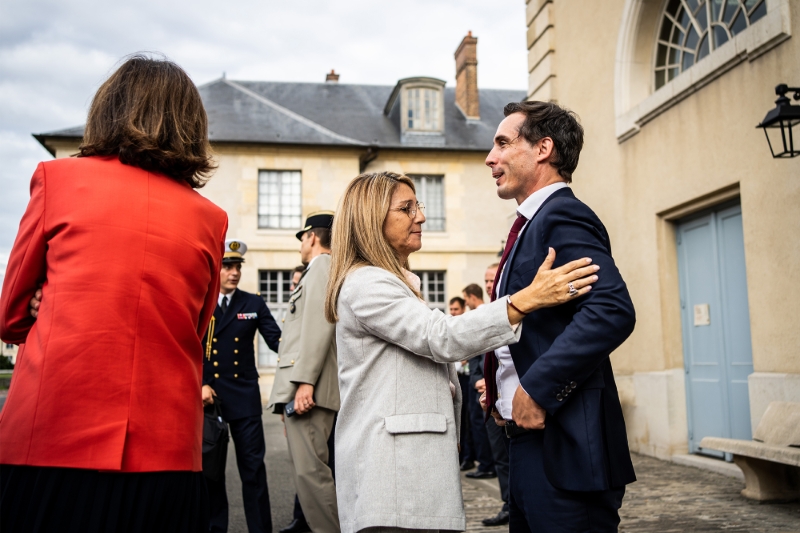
column 566, row 191
column 235, row 306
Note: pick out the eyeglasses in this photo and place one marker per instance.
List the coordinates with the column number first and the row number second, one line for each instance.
column 412, row 211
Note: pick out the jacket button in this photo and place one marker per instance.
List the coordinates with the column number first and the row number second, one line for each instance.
column 573, row 385
column 236, row 375
column 214, row 352
column 216, row 375
column 559, row 397
column 216, row 363
column 283, row 320
column 236, row 351
column 236, row 363
column 213, row 340
column 280, row 339
column 279, row 360
column 292, row 361
column 236, row 339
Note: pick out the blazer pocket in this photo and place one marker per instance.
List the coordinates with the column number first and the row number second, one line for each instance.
column 416, row 423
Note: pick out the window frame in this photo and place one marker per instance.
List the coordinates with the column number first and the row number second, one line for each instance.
column 296, row 213
column 406, row 104
column 422, row 197
column 265, row 357
column 425, row 281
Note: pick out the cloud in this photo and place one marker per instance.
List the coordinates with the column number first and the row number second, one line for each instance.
column 54, row 55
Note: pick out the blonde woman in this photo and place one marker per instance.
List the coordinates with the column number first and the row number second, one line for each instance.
column 396, row 450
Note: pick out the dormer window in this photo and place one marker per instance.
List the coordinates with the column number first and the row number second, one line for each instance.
column 416, row 107
column 423, row 109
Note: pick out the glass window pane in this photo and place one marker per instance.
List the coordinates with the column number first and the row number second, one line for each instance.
column 758, row 12
column 279, row 198
column 720, row 35
column 739, row 23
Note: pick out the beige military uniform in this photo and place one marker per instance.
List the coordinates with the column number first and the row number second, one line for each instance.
column 307, row 354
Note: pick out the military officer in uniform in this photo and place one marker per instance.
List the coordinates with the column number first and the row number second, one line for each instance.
column 229, row 373
column 307, row 374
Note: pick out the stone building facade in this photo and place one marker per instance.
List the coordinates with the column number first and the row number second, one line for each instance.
column 705, row 224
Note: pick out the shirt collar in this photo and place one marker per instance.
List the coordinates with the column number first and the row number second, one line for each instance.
column 532, row 203
column 229, row 296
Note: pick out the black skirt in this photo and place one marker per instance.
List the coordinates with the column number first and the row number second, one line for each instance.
column 41, row 500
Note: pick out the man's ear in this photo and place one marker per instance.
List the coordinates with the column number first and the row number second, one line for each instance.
column 545, row 149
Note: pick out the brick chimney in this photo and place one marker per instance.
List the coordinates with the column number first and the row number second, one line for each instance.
column 331, row 77
column 467, row 77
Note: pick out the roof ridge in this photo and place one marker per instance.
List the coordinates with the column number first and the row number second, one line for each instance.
column 291, row 114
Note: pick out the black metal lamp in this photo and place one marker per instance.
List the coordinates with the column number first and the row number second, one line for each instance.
column 779, row 122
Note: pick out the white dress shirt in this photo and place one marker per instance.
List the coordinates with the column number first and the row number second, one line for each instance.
column 228, row 296
column 507, row 378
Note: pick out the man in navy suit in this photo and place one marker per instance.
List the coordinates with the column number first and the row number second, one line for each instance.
column 554, row 391
column 230, row 373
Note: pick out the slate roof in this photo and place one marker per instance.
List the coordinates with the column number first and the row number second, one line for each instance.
column 328, row 114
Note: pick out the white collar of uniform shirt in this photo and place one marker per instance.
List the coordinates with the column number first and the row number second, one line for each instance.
column 221, row 296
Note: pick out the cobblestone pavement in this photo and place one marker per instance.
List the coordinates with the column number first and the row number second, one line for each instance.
column 666, row 498
column 674, row 498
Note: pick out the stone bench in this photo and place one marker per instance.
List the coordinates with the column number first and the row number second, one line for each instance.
column 771, row 461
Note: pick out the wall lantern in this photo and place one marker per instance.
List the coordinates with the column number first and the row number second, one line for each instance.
column 779, row 122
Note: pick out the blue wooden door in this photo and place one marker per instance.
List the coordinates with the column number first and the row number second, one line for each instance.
column 716, row 326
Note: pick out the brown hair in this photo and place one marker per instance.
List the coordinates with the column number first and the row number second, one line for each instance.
column 149, row 113
column 546, row 119
column 459, row 300
column 358, row 233
column 324, row 236
column 473, row 289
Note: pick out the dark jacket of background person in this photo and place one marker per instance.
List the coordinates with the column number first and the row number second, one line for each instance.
column 130, row 262
column 230, row 367
column 562, row 358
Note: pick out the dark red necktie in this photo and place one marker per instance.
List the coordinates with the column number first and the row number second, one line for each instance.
column 490, row 361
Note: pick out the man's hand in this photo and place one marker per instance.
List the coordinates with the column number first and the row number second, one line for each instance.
column 499, row 420
column 304, row 399
column 525, row 412
column 480, row 386
column 35, row 302
column 208, row 395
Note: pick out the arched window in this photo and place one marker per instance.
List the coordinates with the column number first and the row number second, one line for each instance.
column 692, row 29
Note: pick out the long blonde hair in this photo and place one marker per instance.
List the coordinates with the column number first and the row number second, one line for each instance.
column 358, row 238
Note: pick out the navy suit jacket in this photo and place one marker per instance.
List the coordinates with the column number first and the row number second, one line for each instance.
column 562, row 358
column 231, row 367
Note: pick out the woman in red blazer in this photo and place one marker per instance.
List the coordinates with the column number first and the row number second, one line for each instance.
column 102, row 427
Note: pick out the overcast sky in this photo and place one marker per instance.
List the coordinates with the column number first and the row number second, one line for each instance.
column 54, row 55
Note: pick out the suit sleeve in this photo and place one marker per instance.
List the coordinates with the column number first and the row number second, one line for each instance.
column 476, row 369
column 317, row 334
column 268, row 327
column 27, row 266
column 603, row 318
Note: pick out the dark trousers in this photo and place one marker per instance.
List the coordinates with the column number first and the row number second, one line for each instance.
column 248, row 441
column 465, row 438
column 480, row 439
column 499, row 443
column 536, row 505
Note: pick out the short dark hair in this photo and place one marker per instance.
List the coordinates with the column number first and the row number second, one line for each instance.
column 546, row 119
column 459, row 300
column 324, row 236
column 150, row 115
column 299, row 268
column 473, row 289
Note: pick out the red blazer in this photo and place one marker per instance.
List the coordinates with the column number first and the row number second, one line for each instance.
column 109, row 375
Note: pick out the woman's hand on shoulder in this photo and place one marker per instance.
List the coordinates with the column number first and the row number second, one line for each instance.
column 555, row 286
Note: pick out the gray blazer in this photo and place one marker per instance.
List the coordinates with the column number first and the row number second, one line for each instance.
column 396, row 454
column 307, row 352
